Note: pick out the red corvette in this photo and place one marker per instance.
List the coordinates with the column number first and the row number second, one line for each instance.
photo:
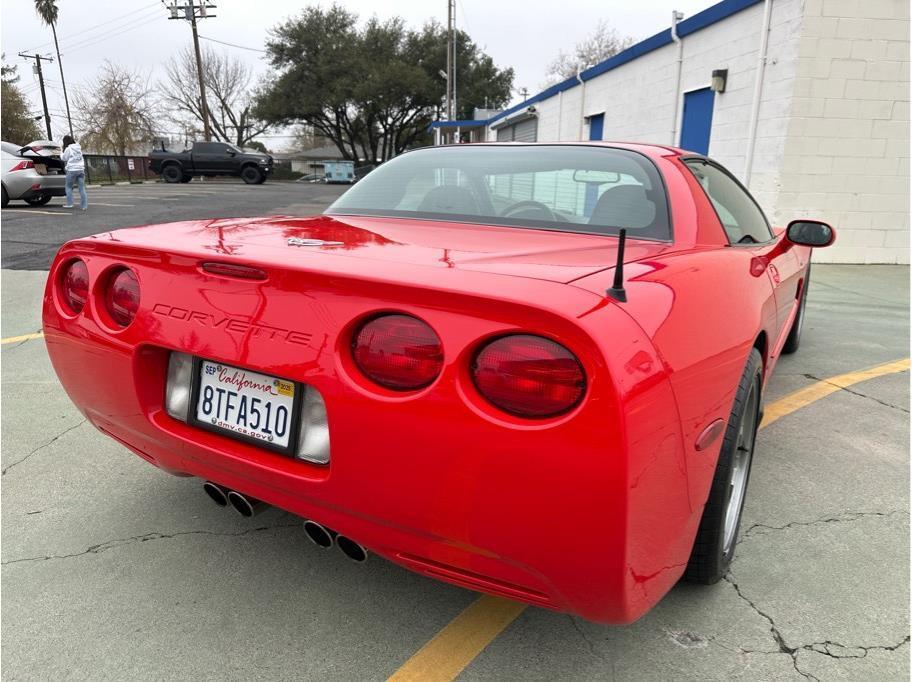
column 530, row 370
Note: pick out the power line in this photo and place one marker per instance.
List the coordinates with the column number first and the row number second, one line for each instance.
column 240, row 47
column 89, row 29
column 95, row 40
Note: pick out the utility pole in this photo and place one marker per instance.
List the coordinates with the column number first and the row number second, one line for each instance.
column 44, row 103
column 191, row 12
column 451, row 61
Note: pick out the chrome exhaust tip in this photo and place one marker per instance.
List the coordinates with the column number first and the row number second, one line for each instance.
column 216, row 493
column 351, row 549
column 245, row 506
column 319, row 535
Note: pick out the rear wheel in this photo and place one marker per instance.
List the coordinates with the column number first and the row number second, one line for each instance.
column 5, row 198
column 714, row 546
column 252, row 175
column 172, row 173
column 186, row 178
column 794, row 338
column 39, row 200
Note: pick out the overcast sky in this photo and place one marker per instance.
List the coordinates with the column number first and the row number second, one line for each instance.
column 523, row 34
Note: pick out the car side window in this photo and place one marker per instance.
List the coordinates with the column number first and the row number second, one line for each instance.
column 209, row 147
column 742, row 219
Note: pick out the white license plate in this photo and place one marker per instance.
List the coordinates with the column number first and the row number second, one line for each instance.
column 246, row 403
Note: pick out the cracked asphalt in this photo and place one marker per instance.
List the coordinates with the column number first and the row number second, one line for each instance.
column 112, row 569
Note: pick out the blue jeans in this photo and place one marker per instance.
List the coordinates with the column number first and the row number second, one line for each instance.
column 76, row 176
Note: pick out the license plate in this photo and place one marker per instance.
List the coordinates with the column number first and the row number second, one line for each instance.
column 249, row 404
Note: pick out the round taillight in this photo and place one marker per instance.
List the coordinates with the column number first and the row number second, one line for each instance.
column 529, row 376
column 398, row 352
column 122, row 297
column 74, row 286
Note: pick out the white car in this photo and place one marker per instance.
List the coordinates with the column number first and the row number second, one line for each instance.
column 33, row 176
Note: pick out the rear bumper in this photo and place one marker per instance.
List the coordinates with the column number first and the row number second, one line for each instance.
column 566, row 516
column 28, row 184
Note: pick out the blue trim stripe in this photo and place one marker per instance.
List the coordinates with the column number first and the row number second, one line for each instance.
column 701, row 20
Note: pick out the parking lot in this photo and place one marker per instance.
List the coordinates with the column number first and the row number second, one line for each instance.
column 112, row 569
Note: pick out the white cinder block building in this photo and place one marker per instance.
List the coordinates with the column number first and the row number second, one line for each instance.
column 813, row 115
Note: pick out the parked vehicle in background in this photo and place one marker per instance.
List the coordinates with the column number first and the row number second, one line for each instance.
column 34, row 177
column 211, row 159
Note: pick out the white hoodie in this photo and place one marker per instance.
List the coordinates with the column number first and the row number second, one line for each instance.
column 72, row 157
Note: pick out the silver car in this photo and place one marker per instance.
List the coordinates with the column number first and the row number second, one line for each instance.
column 33, row 177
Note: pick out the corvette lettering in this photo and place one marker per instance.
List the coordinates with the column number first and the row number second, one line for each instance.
column 231, row 324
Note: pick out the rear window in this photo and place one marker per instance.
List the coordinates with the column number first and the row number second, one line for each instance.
column 555, row 187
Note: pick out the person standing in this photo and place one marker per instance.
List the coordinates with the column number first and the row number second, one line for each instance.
column 74, row 165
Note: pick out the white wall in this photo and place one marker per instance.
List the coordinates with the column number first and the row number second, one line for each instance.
column 847, row 154
column 832, row 138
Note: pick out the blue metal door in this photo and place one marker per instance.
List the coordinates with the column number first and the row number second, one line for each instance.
column 697, row 120
column 596, row 129
column 596, row 126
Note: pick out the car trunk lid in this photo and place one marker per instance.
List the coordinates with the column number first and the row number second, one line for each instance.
column 398, row 245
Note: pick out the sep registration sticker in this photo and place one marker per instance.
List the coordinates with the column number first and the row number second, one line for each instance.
column 247, row 403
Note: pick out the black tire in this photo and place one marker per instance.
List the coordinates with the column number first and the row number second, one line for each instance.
column 39, row 200
column 794, row 337
column 186, row 178
column 262, row 179
column 252, row 175
column 717, row 536
column 5, row 201
column 172, row 173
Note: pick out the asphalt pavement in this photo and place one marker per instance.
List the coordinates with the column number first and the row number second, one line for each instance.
column 32, row 235
column 112, row 569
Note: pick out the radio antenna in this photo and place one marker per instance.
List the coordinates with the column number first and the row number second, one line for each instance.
column 617, row 288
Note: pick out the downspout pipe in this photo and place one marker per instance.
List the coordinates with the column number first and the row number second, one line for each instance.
column 676, row 16
column 758, row 91
column 582, row 104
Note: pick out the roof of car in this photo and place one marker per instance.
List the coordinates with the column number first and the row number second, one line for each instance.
column 642, row 147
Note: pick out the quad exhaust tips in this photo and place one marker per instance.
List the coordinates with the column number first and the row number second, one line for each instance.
column 242, row 504
column 325, row 538
column 318, row 534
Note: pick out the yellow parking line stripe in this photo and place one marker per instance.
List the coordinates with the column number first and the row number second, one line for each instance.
column 24, row 337
column 454, row 647
column 821, row 389
column 468, row 634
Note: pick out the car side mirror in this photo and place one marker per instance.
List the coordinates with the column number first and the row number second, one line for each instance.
column 810, row 233
column 231, row 152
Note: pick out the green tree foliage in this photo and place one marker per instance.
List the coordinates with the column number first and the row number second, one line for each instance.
column 18, row 126
column 371, row 90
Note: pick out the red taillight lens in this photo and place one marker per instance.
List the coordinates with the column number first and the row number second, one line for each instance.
column 529, row 376
column 22, row 165
column 74, row 286
column 399, row 352
column 122, row 297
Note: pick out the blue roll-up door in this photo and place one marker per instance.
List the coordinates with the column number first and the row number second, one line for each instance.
column 696, row 125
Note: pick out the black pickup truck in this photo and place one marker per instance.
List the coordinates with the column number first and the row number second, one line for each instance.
column 211, row 158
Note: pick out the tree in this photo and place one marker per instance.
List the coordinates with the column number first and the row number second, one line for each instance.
column 47, row 11
column 228, row 86
column 602, row 43
column 372, row 91
column 18, row 126
column 116, row 111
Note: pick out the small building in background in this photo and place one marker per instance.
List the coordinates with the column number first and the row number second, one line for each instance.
column 806, row 101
